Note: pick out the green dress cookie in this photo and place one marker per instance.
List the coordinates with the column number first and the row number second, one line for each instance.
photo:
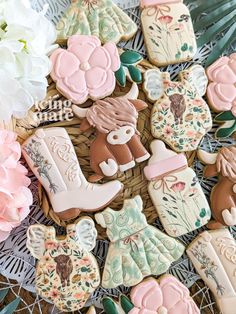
column 101, row 18
column 137, row 249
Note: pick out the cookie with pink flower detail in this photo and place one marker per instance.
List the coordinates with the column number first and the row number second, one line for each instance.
column 86, row 70
column 167, row 295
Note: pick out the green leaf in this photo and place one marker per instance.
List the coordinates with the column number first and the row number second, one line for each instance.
column 135, row 74
column 3, row 293
column 126, row 304
column 121, row 76
column 224, row 132
column 203, row 213
column 184, row 47
column 130, row 57
column 109, row 306
column 225, row 116
column 11, row 307
column 204, row 6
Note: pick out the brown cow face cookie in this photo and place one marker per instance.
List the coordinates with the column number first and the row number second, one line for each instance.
column 117, row 145
column 180, row 116
column 66, row 273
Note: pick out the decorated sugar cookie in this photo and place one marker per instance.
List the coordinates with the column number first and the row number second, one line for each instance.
column 91, row 310
column 180, row 116
column 51, row 156
column 101, row 18
column 66, row 273
column 166, row 295
column 175, row 191
column 221, row 94
column 168, row 31
column 117, row 146
column 223, row 195
column 86, row 69
column 213, row 254
column 137, row 249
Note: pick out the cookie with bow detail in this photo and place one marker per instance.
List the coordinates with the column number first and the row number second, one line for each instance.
column 136, row 249
column 66, row 272
column 221, row 94
column 86, row 69
column 101, row 18
column 180, row 116
column 117, row 145
column 223, row 195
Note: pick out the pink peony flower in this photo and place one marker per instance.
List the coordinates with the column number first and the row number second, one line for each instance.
column 178, row 187
column 15, row 197
column 168, row 297
column 86, row 69
column 221, row 91
column 166, row 19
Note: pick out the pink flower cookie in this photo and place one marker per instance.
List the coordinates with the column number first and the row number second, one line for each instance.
column 15, row 197
column 165, row 296
column 86, row 69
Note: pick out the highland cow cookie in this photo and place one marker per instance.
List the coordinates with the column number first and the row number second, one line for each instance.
column 221, row 94
column 137, row 249
column 166, row 295
column 66, row 273
column 175, row 191
column 101, row 18
column 168, row 31
column 180, row 116
column 213, row 254
column 223, row 195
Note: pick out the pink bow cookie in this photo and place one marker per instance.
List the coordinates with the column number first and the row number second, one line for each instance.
column 221, row 91
column 169, row 296
column 86, row 69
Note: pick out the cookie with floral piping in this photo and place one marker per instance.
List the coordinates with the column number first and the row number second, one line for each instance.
column 86, row 69
column 168, row 31
column 66, row 273
column 166, row 295
column 221, row 94
column 101, row 18
column 180, row 116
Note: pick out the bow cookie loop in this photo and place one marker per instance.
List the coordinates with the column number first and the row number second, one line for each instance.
column 131, row 240
column 162, row 183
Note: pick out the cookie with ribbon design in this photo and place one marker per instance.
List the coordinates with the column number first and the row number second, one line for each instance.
column 168, row 31
column 66, row 272
column 136, row 249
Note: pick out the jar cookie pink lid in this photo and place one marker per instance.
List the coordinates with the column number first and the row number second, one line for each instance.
column 147, row 3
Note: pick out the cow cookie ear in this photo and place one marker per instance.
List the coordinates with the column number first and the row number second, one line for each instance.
column 86, row 233
column 36, row 240
column 153, row 84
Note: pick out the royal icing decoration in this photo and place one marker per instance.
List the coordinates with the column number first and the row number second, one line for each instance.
column 221, row 94
column 86, row 69
column 174, row 189
column 66, row 273
column 137, row 249
column 117, row 145
column 51, row 156
column 168, row 31
column 213, row 254
column 166, row 295
column 180, row 116
column 223, row 195
column 101, row 18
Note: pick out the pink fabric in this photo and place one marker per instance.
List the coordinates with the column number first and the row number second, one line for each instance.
column 147, row 3
column 86, row 69
column 170, row 297
column 165, row 166
column 15, row 197
column 221, row 91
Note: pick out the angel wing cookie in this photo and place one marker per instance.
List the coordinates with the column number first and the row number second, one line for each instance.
column 66, row 273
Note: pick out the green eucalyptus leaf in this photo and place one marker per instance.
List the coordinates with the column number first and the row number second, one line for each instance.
column 224, row 132
column 130, row 57
column 109, row 306
column 225, row 116
column 3, row 293
column 121, row 76
column 11, row 307
column 204, row 6
column 135, row 74
column 126, row 304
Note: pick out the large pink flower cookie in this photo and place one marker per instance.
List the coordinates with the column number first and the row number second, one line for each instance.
column 86, row 69
column 15, row 197
column 221, row 91
column 169, row 296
